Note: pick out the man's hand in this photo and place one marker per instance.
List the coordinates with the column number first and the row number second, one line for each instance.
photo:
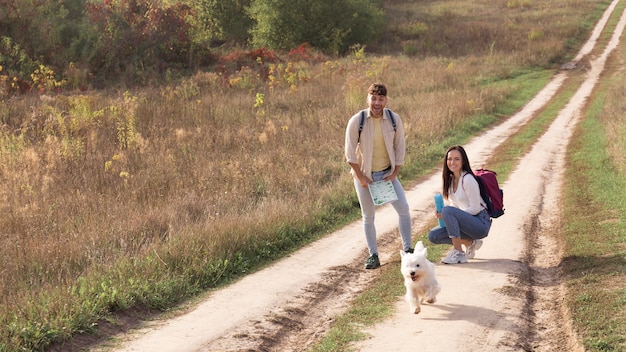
column 391, row 177
column 364, row 181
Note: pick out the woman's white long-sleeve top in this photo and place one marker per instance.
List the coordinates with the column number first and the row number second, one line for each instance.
column 467, row 196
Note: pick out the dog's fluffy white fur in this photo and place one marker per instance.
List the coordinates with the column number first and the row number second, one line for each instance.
column 419, row 278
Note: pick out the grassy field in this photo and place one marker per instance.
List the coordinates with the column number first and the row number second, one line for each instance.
column 131, row 200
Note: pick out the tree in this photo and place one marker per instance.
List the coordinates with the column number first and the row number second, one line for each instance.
column 42, row 28
column 223, row 19
column 331, row 26
column 139, row 36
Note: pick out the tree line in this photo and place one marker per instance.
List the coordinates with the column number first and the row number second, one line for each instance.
column 45, row 44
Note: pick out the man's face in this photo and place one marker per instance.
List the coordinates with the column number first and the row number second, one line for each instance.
column 376, row 103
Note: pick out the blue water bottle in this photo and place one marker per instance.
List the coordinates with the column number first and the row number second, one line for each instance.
column 439, row 206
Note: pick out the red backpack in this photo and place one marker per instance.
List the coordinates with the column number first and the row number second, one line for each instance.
column 490, row 191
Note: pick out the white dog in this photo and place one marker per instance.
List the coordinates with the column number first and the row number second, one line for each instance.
column 419, row 278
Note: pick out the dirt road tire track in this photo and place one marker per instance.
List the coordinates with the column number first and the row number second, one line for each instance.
column 303, row 320
column 292, row 303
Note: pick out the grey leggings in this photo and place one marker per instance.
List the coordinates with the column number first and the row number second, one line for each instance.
column 368, row 210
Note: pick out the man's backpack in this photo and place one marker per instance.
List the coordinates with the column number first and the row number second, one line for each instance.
column 362, row 122
column 490, row 191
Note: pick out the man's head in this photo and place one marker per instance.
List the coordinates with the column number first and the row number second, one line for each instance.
column 377, row 89
column 377, row 98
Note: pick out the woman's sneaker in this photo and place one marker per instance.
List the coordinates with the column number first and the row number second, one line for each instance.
column 455, row 257
column 472, row 248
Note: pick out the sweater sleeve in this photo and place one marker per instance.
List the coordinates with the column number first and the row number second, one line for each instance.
column 399, row 142
column 351, row 142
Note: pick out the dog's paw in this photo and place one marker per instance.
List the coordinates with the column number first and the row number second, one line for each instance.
column 431, row 300
column 417, row 310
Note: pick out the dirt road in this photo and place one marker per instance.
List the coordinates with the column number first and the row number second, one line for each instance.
column 506, row 299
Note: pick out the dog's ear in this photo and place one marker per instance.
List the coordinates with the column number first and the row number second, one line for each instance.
column 402, row 253
column 423, row 251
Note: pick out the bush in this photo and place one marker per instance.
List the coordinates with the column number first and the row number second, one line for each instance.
column 222, row 20
column 15, row 60
column 138, row 37
column 331, row 26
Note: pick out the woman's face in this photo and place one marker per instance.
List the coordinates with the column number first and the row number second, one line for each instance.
column 454, row 161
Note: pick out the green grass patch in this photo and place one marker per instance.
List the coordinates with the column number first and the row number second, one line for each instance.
column 595, row 236
column 369, row 308
column 514, row 148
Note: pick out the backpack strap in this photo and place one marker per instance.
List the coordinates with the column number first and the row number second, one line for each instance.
column 362, row 122
column 393, row 121
column 481, row 188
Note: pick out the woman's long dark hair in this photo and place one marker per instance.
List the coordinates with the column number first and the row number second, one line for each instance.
column 447, row 174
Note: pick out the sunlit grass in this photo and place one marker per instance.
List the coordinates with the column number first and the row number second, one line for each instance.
column 595, row 232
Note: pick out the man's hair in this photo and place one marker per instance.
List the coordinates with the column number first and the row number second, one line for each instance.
column 378, row 89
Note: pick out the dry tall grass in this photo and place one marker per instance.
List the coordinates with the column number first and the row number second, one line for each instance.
column 113, row 200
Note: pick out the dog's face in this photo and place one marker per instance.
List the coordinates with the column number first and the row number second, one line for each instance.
column 414, row 266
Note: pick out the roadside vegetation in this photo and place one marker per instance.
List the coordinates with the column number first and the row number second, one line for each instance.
column 139, row 197
column 62, row 45
column 594, row 229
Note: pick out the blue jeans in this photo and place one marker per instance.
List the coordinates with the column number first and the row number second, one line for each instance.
column 460, row 224
column 368, row 210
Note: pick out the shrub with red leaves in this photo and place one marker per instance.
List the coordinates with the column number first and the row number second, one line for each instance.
column 303, row 52
column 255, row 59
column 138, row 34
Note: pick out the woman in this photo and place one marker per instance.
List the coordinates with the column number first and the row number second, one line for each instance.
column 465, row 218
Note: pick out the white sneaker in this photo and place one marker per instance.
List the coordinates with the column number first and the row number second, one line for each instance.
column 472, row 248
column 455, row 257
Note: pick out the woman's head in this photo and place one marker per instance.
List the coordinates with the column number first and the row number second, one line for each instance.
column 455, row 161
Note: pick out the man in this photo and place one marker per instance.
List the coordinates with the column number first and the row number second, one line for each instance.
column 376, row 152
